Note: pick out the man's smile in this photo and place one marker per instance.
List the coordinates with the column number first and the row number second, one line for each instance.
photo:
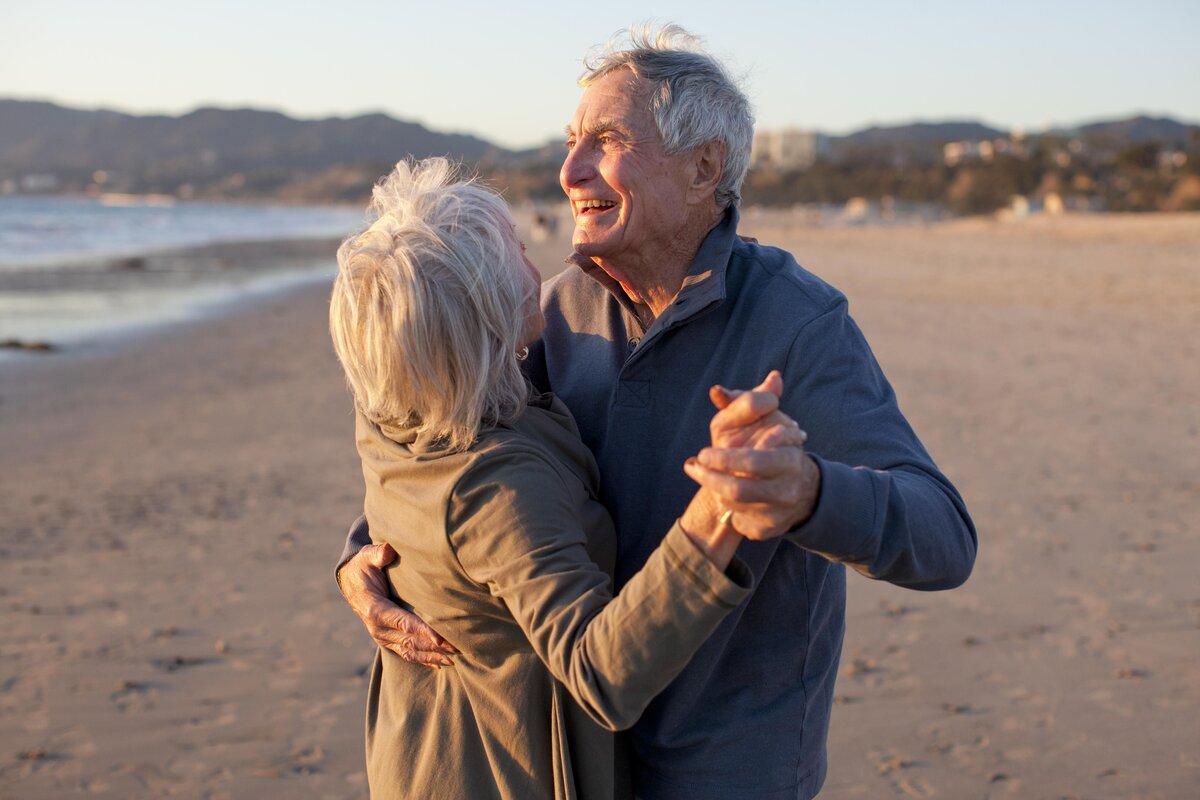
column 584, row 208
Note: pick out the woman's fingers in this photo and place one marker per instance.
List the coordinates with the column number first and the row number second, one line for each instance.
column 782, row 434
column 773, row 383
column 738, row 490
column 722, row 397
column 771, row 430
column 751, row 463
column 745, row 410
column 744, row 416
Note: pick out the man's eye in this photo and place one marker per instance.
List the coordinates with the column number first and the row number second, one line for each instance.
column 570, row 143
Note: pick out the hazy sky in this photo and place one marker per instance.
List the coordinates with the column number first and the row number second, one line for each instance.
column 506, row 71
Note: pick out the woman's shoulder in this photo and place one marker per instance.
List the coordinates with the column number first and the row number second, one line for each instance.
column 513, row 497
column 536, row 463
column 510, row 454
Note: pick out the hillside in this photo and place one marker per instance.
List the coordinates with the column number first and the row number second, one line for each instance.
column 214, row 153
column 202, row 149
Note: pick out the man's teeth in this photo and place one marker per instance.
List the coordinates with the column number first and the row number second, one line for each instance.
column 586, row 204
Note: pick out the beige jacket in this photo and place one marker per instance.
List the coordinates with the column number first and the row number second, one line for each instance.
column 506, row 552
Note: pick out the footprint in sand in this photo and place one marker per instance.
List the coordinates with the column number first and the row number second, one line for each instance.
column 895, row 768
column 176, row 663
column 133, row 696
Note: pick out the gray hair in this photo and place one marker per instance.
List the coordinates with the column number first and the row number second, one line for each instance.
column 694, row 100
column 428, row 306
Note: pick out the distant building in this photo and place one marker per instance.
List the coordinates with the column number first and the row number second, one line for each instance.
column 41, row 182
column 1169, row 160
column 955, row 153
column 787, row 148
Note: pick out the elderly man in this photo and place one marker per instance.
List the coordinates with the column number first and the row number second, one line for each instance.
column 668, row 300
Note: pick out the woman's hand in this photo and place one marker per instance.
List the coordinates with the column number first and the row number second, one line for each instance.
column 757, row 467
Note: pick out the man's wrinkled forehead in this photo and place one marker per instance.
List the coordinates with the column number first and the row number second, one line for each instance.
column 619, row 102
column 601, row 125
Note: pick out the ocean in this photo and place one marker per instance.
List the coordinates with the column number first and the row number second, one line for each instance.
column 40, row 230
column 76, row 270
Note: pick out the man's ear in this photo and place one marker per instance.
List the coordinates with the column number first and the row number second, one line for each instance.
column 708, row 165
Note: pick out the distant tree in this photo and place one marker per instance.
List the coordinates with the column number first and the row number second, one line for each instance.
column 1143, row 155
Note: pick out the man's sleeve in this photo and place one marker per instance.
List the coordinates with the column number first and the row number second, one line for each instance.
column 884, row 508
column 358, row 538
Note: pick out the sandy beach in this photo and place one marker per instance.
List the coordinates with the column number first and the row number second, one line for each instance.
column 172, row 508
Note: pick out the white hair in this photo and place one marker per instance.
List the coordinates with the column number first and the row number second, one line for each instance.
column 428, row 306
column 694, row 99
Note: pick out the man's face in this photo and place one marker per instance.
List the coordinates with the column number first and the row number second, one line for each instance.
column 628, row 197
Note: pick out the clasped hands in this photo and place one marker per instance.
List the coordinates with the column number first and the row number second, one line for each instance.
column 756, row 467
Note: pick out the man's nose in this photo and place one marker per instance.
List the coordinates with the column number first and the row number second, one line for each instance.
column 578, row 166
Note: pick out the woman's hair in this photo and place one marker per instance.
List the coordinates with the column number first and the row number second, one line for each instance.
column 428, row 305
column 694, row 99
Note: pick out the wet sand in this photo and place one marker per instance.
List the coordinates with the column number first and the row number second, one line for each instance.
column 172, row 508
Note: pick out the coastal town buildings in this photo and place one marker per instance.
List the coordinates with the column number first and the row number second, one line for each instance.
column 787, row 148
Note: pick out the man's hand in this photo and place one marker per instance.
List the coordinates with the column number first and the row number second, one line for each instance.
column 757, row 466
column 365, row 588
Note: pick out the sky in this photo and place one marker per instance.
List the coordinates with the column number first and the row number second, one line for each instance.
column 506, row 71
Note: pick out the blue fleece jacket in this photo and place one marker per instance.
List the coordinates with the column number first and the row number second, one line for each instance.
column 749, row 716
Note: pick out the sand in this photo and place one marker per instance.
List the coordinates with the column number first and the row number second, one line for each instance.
column 171, row 509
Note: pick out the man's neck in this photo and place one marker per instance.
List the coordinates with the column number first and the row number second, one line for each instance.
column 656, row 275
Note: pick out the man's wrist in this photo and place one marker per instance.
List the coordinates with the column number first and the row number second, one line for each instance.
column 810, row 493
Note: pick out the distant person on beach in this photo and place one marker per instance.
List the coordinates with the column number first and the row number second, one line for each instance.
column 489, row 497
column 666, row 301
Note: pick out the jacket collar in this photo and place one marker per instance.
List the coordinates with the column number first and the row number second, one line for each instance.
column 703, row 285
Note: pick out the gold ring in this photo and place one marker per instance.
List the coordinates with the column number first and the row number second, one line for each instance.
column 726, row 519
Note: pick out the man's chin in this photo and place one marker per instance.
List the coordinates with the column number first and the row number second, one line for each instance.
column 589, row 247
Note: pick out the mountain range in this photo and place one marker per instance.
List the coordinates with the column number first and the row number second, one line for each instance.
column 267, row 148
column 44, row 136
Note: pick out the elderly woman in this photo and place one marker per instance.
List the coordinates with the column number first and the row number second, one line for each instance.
column 489, row 497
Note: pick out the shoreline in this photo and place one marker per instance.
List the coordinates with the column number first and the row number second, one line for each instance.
column 234, row 250
column 197, row 282
column 124, row 337
column 78, row 306
column 206, row 280
column 81, row 229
